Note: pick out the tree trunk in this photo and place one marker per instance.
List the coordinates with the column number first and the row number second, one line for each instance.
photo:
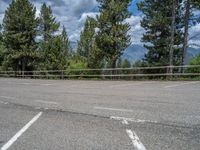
column 23, row 67
column 113, row 67
column 171, row 53
column 185, row 44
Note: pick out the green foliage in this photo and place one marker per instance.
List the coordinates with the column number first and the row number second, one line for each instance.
column 20, row 30
column 119, row 63
column 87, row 45
column 1, row 48
column 112, row 38
column 66, row 43
column 48, row 25
column 54, row 49
column 86, row 42
column 126, row 64
column 195, row 61
column 2, row 51
column 196, row 3
column 140, row 63
column 157, row 23
column 55, row 54
column 77, row 62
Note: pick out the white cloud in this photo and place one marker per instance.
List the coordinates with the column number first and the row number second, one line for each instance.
column 80, row 25
column 194, row 34
column 136, row 30
column 89, row 14
column 73, row 13
column 1, row 18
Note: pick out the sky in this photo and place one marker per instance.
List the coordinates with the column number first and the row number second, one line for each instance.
column 73, row 13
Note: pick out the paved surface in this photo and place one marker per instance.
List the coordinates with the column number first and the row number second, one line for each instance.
column 99, row 115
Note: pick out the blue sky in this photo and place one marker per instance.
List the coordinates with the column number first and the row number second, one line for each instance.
column 73, row 13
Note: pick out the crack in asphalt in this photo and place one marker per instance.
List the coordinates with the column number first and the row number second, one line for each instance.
column 48, row 110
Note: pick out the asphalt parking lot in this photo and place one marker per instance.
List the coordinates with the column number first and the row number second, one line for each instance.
column 99, row 115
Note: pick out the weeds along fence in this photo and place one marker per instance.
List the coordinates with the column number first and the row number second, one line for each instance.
column 135, row 73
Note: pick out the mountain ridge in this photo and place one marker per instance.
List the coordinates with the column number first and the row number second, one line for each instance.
column 137, row 52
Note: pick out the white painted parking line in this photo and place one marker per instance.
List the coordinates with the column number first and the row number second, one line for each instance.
column 113, row 109
column 39, row 84
column 181, row 84
column 125, row 122
column 132, row 120
column 7, row 97
column 5, row 103
column 25, row 83
column 45, row 84
column 46, row 102
column 135, row 140
column 18, row 134
column 130, row 84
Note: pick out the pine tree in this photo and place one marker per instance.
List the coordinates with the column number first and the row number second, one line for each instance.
column 126, row 64
column 56, row 52
column 119, row 63
column 20, row 30
column 158, row 25
column 196, row 4
column 1, row 36
column 55, row 49
column 87, row 38
column 189, row 5
column 48, row 25
column 112, row 38
column 66, row 42
column 1, row 47
column 87, row 45
column 66, row 50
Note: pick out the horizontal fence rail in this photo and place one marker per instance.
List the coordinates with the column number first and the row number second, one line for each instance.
column 158, row 72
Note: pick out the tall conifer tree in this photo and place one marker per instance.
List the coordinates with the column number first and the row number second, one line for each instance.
column 48, row 25
column 20, row 30
column 54, row 48
column 87, row 45
column 158, row 25
column 1, row 47
column 112, row 38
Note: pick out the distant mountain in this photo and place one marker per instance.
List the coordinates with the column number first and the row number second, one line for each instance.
column 73, row 45
column 136, row 52
column 192, row 52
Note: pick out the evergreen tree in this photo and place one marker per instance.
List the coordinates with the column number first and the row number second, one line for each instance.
column 66, row 50
column 1, row 36
column 112, row 38
column 87, row 47
column 56, row 52
column 189, row 6
column 158, row 25
column 55, row 49
column 1, row 47
column 54, row 55
column 126, row 64
column 48, row 25
column 119, row 63
column 195, row 61
column 87, row 38
column 20, row 30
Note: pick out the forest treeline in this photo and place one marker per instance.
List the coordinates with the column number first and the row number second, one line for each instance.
column 31, row 43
